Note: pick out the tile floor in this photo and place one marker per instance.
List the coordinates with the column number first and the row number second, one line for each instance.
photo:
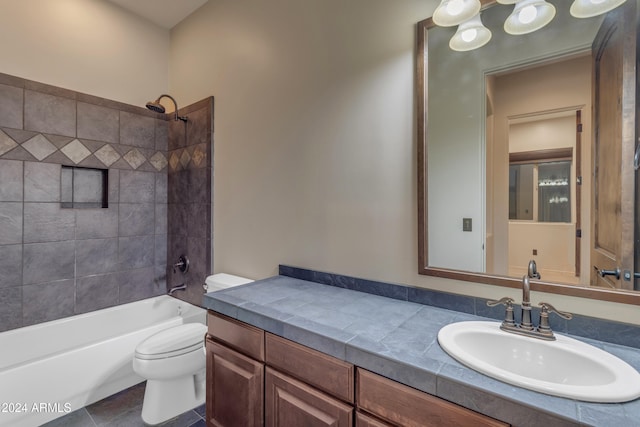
column 123, row 410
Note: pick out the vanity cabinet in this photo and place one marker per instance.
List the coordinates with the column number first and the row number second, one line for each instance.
column 235, row 373
column 255, row 378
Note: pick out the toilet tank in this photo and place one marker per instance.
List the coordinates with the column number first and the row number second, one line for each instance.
column 221, row 281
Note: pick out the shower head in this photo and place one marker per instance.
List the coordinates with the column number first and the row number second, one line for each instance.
column 159, row 108
column 155, row 106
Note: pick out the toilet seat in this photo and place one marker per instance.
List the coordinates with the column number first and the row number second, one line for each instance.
column 172, row 342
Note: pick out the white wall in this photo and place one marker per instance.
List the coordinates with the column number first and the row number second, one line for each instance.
column 89, row 46
column 314, row 131
column 315, row 150
column 546, row 132
column 555, row 246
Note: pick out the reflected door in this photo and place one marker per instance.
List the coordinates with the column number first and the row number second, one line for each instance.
column 614, row 113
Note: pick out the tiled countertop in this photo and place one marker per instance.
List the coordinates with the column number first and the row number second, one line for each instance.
column 398, row 339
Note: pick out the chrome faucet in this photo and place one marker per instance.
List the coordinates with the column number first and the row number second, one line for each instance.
column 532, row 270
column 532, row 273
column 543, row 331
column 175, row 289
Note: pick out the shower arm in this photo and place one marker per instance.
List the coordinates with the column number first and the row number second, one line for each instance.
column 175, row 106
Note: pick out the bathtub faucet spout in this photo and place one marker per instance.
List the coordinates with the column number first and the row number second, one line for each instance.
column 173, row 290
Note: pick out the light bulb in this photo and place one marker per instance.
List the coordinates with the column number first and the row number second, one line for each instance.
column 528, row 14
column 455, row 7
column 454, row 12
column 469, row 35
column 589, row 8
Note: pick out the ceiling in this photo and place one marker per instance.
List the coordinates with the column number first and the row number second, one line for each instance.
column 165, row 13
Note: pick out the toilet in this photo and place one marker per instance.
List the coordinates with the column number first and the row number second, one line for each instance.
column 173, row 363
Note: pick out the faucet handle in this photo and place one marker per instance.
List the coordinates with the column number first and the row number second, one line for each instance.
column 509, row 320
column 182, row 264
column 504, row 301
column 548, row 308
column 544, row 330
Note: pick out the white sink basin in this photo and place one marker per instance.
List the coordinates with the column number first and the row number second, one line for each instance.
column 565, row 367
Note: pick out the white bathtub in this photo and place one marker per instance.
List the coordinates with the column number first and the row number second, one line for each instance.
column 54, row 368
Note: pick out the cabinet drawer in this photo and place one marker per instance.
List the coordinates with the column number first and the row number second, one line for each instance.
column 327, row 373
column 405, row 406
column 245, row 338
column 364, row 420
column 289, row 403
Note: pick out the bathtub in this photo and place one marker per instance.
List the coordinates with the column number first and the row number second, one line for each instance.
column 53, row 368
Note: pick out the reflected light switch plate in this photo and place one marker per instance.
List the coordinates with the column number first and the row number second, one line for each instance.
column 466, row 224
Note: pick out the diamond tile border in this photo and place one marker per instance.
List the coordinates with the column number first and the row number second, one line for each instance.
column 6, row 143
column 135, row 158
column 46, row 150
column 182, row 158
column 174, row 161
column 199, row 154
column 76, row 151
column 107, row 155
column 39, row 147
column 158, row 161
column 185, row 158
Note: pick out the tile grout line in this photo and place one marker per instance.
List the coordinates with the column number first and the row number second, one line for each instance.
column 90, row 417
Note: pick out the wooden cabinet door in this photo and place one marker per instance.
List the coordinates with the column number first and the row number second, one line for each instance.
column 235, row 388
column 289, row 402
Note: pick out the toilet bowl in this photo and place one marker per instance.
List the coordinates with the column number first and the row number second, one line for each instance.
column 173, row 363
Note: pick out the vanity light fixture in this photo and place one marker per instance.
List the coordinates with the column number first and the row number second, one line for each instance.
column 455, row 12
column 528, row 16
column 589, row 8
column 471, row 35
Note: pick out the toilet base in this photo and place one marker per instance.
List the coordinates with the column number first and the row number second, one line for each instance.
column 165, row 399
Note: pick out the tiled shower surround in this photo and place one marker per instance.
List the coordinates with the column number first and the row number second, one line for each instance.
column 54, row 261
column 189, row 207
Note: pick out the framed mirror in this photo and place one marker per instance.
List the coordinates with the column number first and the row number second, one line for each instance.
column 526, row 151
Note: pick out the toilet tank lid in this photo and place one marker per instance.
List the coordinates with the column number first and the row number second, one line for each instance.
column 220, row 281
column 173, row 339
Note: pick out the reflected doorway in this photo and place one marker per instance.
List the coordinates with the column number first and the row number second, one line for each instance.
column 537, row 172
column 544, row 195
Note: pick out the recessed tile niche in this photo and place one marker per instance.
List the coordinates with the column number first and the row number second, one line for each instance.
column 84, row 188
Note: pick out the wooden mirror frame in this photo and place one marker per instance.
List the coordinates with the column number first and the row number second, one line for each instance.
column 422, row 57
